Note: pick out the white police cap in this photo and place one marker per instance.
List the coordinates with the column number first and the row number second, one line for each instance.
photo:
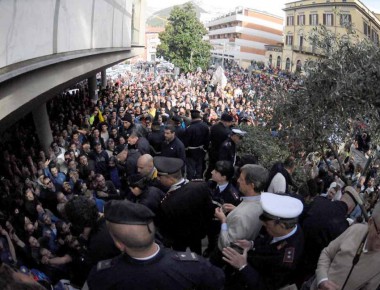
column 239, row 132
column 280, row 207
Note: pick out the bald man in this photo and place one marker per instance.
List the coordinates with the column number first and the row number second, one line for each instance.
column 145, row 166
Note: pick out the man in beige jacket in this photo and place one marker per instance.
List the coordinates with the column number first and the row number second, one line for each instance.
column 337, row 258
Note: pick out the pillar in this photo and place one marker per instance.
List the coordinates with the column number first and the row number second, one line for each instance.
column 104, row 78
column 42, row 124
column 92, row 89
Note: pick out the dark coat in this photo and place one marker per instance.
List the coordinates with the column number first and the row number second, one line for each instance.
column 323, row 222
column 174, row 149
column 272, row 266
column 218, row 134
column 186, row 212
column 228, row 151
column 165, row 271
column 229, row 195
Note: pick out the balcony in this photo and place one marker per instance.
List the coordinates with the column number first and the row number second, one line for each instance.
column 306, row 49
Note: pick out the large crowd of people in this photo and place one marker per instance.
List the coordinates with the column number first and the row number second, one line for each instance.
column 151, row 168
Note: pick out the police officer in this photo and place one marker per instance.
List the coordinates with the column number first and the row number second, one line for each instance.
column 270, row 261
column 228, row 149
column 186, row 209
column 197, row 139
column 144, row 264
column 218, row 134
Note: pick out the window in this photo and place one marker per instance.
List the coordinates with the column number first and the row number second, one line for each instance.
column 313, row 19
column 287, row 64
column 328, row 19
column 375, row 37
column 367, row 29
column 270, row 60
column 345, row 19
column 301, row 20
column 279, row 62
column 289, row 40
column 290, row 20
column 299, row 66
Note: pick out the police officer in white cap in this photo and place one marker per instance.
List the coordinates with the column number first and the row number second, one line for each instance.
column 270, row 261
column 228, row 149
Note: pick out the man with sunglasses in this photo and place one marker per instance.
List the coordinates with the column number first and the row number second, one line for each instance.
column 270, row 261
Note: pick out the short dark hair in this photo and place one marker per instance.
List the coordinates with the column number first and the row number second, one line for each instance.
column 225, row 168
column 170, row 127
column 290, row 162
column 81, row 212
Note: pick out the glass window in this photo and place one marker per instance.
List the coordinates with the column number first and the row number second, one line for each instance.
column 313, row 19
column 301, row 20
column 367, row 29
column 328, row 19
column 290, row 20
column 287, row 65
column 289, row 40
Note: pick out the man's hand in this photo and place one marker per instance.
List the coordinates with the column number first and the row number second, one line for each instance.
column 234, row 258
column 227, row 207
column 244, row 244
column 219, row 214
column 101, row 193
column 328, row 285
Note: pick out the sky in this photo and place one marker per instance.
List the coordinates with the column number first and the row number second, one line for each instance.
column 271, row 6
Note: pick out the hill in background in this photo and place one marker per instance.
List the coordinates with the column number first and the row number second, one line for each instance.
column 159, row 18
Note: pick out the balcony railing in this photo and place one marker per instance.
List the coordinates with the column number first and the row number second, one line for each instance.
column 306, row 49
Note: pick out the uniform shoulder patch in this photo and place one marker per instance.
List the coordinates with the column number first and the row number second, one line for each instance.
column 105, row 264
column 235, row 195
column 289, row 255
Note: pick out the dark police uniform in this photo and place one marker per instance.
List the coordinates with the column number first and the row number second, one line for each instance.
column 272, row 262
column 196, row 143
column 273, row 265
column 229, row 195
column 228, row 151
column 185, row 215
column 218, row 134
column 186, row 209
column 167, row 270
column 164, row 269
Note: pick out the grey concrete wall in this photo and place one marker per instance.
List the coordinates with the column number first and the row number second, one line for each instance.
column 48, row 45
column 36, row 28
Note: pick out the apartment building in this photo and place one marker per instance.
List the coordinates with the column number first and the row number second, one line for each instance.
column 241, row 35
column 302, row 16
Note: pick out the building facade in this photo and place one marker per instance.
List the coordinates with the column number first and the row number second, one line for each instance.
column 242, row 35
column 152, row 40
column 303, row 16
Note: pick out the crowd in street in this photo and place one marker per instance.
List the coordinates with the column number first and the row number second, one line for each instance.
column 151, row 169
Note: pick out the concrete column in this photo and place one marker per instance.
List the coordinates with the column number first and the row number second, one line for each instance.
column 92, row 88
column 104, row 78
column 41, row 122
